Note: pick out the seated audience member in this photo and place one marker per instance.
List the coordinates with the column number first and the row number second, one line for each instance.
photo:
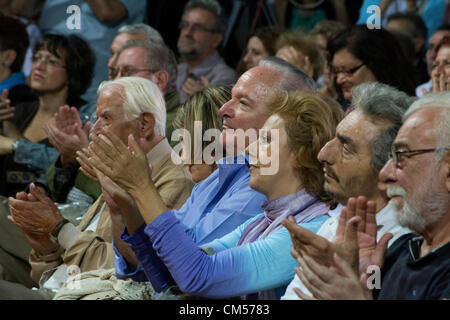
column 224, row 200
column 440, row 70
column 157, row 63
column 137, row 31
column 253, row 260
column 13, row 46
column 62, row 70
column 202, row 28
column 359, row 54
column 300, row 50
column 127, row 106
column 58, row 82
column 260, row 45
column 419, row 189
column 417, row 265
column 65, row 181
column 202, row 106
column 430, row 56
column 352, row 161
column 322, row 33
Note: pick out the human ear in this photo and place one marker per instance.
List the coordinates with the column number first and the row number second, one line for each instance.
column 147, row 124
column 446, row 163
column 162, row 80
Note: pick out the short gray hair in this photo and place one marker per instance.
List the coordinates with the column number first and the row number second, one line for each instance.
column 437, row 100
column 140, row 28
column 159, row 57
column 381, row 103
column 139, row 95
column 212, row 6
column 293, row 78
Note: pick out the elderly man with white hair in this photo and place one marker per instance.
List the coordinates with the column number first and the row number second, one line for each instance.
column 417, row 176
column 130, row 106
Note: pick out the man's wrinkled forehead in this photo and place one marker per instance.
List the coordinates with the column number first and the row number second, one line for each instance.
column 420, row 128
column 257, row 82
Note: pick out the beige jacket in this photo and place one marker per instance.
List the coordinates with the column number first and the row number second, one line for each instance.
column 93, row 250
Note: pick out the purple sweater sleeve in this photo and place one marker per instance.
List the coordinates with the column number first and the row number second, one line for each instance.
column 188, row 258
column 232, row 270
column 154, row 269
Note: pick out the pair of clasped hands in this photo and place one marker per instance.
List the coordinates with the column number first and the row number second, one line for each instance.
column 337, row 270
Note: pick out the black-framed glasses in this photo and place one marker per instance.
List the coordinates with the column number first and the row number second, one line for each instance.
column 397, row 155
column 346, row 72
column 195, row 27
column 47, row 60
column 128, row 71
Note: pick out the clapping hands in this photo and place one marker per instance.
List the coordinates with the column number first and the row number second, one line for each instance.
column 67, row 134
column 327, row 267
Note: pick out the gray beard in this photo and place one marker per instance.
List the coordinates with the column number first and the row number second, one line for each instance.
column 409, row 217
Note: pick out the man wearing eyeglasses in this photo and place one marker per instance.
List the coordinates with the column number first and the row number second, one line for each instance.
column 201, row 31
column 418, row 184
column 157, row 63
column 352, row 162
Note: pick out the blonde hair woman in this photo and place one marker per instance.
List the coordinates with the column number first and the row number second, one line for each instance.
column 203, row 106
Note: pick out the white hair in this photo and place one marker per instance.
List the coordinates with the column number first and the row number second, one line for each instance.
column 139, row 95
column 435, row 100
column 140, row 28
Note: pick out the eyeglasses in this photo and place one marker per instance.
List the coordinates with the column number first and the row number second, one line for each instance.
column 195, row 27
column 397, row 155
column 346, row 72
column 47, row 60
column 128, row 71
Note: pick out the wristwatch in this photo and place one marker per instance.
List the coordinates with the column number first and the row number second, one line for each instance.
column 15, row 144
column 54, row 234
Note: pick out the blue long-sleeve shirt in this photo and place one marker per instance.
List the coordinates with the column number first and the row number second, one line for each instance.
column 233, row 270
column 217, row 206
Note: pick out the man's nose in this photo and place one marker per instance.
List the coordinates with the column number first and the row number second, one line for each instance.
column 340, row 78
column 387, row 173
column 325, row 153
column 226, row 109
column 97, row 127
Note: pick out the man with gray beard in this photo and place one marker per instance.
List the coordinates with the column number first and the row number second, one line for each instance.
column 417, row 266
column 417, row 176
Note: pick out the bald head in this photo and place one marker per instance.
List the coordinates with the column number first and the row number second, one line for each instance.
column 246, row 110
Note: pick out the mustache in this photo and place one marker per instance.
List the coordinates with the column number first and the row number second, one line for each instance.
column 329, row 171
column 393, row 190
